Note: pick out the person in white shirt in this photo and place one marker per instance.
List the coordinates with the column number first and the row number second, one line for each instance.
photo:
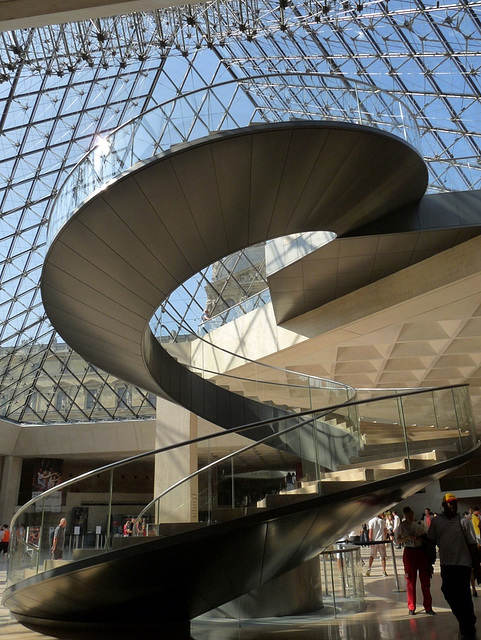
column 397, row 522
column 377, row 532
column 410, row 535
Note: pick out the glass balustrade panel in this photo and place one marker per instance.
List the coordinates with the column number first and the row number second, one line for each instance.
column 298, row 395
column 288, row 390
column 86, row 509
column 342, row 582
column 234, row 475
column 280, row 469
column 227, row 106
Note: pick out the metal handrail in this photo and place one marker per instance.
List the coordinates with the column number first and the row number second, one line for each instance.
column 228, row 456
column 171, row 447
column 322, row 413
column 28, row 545
column 222, row 433
column 350, row 391
column 334, row 384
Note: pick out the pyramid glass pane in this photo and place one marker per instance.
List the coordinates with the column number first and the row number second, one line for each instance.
column 54, row 107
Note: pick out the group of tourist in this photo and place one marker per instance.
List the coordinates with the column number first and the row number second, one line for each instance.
column 130, row 523
column 458, row 539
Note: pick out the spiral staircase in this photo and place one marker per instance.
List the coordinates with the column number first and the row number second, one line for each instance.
column 126, row 230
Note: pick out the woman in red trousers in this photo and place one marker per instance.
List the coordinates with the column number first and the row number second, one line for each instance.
column 410, row 535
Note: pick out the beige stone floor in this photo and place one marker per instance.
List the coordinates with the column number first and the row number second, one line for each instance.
column 385, row 618
column 9, row 628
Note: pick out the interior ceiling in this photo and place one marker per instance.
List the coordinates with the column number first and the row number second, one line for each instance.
column 433, row 349
column 16, row 14
column 419, row 327
column 436, row 348
column 61, row 87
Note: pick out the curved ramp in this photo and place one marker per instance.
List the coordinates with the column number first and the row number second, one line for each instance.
column 134, row 241
column 170, row 581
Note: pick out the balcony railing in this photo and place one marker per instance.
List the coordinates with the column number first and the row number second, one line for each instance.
column 229, row 106
column 243, row 471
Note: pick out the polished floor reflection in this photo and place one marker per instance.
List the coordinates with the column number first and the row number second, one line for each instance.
column 385, row 618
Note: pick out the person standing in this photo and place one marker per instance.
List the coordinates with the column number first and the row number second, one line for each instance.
column 475, row 514
column 427, row 517
column 389, row 520
column 475, row 518
column 5, row 541
column 289, row 485
column 59, row 540
column 415, row 560
column 454, row 536
column 128, row 528
column 377, row 533
column 397, row 522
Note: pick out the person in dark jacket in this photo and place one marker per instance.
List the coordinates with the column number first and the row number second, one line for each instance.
column 455, row 538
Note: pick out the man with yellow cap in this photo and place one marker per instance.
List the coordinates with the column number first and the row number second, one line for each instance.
column 454, row 536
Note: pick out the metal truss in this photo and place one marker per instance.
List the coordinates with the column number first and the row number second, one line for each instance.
column 62, row 87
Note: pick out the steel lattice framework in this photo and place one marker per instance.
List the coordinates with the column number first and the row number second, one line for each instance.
column 61, row 87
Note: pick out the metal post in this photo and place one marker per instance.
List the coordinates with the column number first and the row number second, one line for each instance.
column 109, row 511
column 358, row 100
column 326, row 592
column 333, row 587
column 402, row 421
column 316, row 450
column 396, row 577
column 343, row 578
column 436, row 424
column 457, row 421
column 359, row 582
column 353, row 560
column 403, row 124
column 40, row 536
column 209, row 489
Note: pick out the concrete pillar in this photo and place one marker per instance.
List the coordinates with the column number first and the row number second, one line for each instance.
column 175, row 424
column 9, row 487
